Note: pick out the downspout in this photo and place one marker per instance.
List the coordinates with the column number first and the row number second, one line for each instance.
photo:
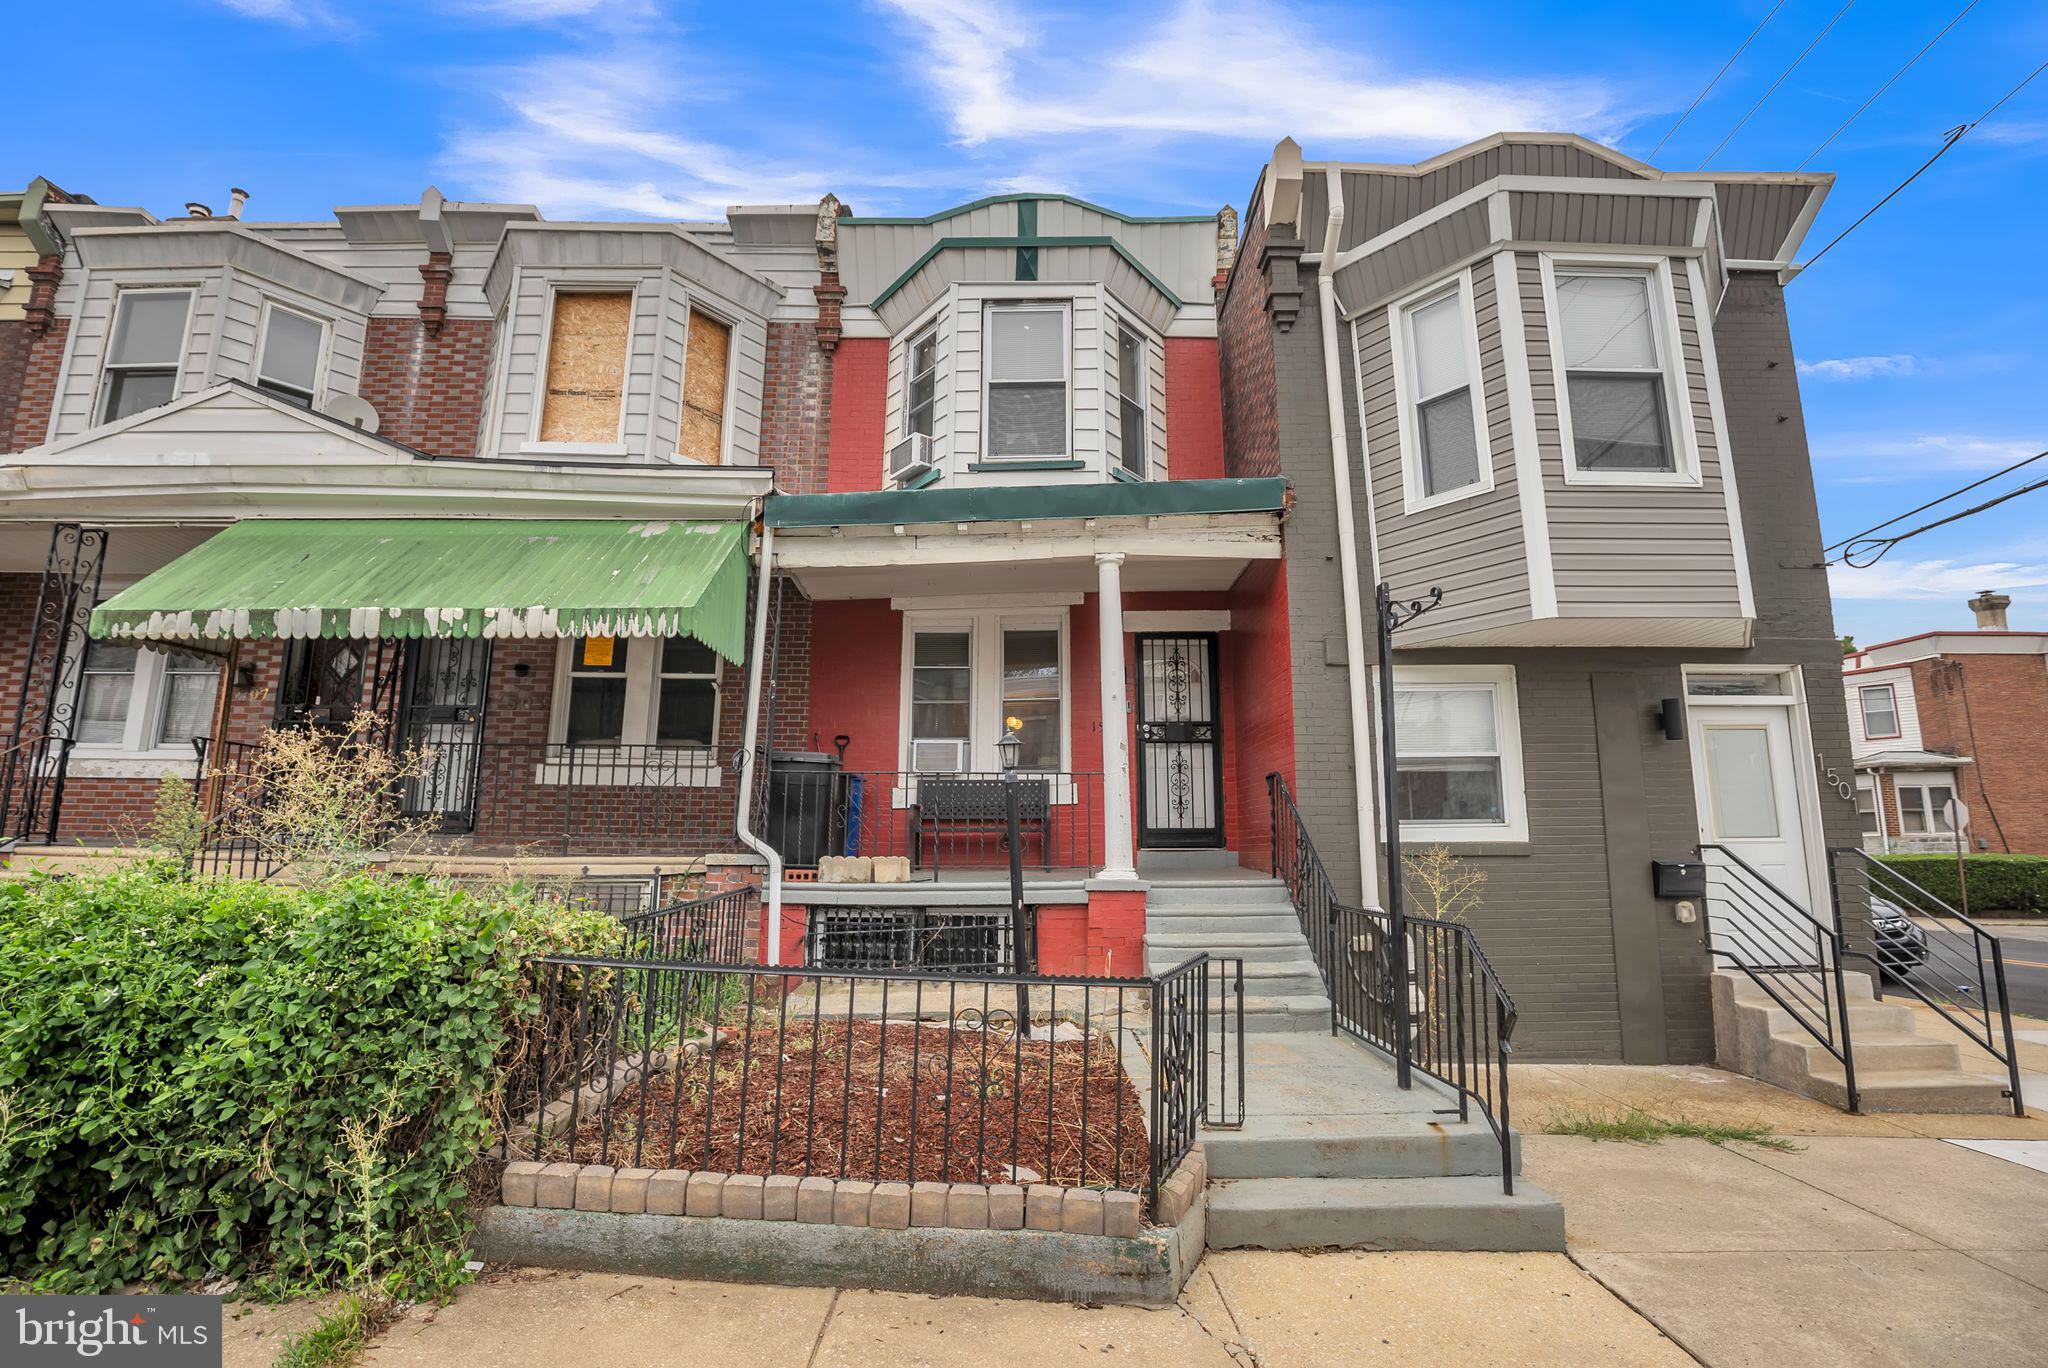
column 1347, row 549
column 748, row 755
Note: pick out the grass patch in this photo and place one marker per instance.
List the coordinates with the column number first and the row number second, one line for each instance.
column 340, row 1336
column 1638, row 1127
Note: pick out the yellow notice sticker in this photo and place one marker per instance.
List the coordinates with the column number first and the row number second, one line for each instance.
column 597, row 650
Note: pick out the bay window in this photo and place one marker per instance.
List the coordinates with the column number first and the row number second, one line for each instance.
column 1025, row 370
column 143, row 354
column 1617, row 400
column 1458, row 743
column 1443, row 423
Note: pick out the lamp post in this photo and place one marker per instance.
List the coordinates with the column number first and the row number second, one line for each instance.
column 1393, row 616
column 1009, row 749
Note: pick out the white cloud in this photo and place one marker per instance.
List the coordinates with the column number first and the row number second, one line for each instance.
column 1933, row 579
column 1890, row 459
column 293, row 13
column 1203, row 69
column 1860, row 367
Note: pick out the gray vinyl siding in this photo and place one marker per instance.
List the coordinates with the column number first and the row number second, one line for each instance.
column 1377, row 201
column 1619, row 220
column 1629, row 550
column 1471, row 548
column 1755, row 216
column 1413, row 259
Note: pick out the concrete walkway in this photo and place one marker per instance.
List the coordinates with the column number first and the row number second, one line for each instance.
column 1276, row 1310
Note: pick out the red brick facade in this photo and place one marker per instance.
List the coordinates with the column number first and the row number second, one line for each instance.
column 1250, row 395
column 1992, row 708
column 860, row 396
column 796, row 408
column 428, row 386
column 1194, row 410
column 28, row 415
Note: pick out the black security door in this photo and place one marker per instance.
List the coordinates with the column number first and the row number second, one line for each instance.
column 1180, row 742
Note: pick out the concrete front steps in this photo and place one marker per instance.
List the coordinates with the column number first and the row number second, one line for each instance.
column 1238, row 914
column 1898, row 1067
column 1333, row 1154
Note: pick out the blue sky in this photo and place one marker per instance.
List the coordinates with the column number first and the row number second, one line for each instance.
column 1923, row 339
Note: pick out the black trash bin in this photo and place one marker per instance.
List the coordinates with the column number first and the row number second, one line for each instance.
column 804, row 821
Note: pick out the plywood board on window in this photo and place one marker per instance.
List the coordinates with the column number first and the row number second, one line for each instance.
column 705, row 368
column 586, row 367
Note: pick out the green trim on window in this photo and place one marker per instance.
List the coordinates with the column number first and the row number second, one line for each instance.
column 1119, row 473
column 1018, row 198
column 983, row 466
column 960, row 243
column 930, row 477
column 1071, row 499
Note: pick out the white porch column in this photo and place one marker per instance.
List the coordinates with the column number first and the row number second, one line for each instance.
column 1119, row 860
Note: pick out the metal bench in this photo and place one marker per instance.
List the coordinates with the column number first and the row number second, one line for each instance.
column 948, row 806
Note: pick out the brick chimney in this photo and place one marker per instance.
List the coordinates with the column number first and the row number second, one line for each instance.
column 1990, row 607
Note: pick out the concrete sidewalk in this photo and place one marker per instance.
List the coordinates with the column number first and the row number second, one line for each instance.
column 1243, row 1308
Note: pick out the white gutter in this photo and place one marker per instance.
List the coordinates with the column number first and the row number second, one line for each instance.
column 1347, row 549
column 745, row 816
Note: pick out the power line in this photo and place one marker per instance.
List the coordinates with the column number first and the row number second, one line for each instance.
column 1954, row 136
column 1952, row 494
column 1867, row 551
column 1780, row 81
column 1709, row 86
column 1910, row 62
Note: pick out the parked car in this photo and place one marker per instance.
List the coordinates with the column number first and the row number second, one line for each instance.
column 1900, row 946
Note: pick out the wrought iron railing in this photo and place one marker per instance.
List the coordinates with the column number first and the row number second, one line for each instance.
column 228, row 784
column 1459, row 1020
column 936, row 821
column 708, row 930
column 32, row 778
column 962, row 940
column 1760, row 930
column 1937, row 954
column 890, row 1077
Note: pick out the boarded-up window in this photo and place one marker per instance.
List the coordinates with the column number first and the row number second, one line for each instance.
column 702, row 437
column 586, row 367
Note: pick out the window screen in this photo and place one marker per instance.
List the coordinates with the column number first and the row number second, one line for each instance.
column 1027, row 383
column 1613, row 377
column 1446, row 432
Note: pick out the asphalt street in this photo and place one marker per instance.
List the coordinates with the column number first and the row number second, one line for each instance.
column 2026, row 966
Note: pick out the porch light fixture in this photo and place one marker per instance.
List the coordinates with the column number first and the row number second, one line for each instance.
column 1008, row 750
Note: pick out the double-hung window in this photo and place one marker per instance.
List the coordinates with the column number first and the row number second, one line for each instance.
column 1458, row 740
column 1026, row 370
column 638, row 692
column 144, row 698
column 1866, row 804
column 921, row 384
column 1880, row 707
column 1031, row 694
column 1134, row 454
column 142, row 357
column 975, row 675
column 1615, row 385
column 1923, row 806
column 686, row 701
column 289, row 365
column 941, row 701
column 597, row 691
column 1444, row 426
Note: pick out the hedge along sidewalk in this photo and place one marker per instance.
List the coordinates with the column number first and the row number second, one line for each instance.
column 2000, row 885
column 1037, row 1241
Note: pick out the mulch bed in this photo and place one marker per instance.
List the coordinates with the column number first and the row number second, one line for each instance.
column 901, row 1103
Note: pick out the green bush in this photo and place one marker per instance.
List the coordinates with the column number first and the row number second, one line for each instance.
column 2015, row 885
column 205, row 1078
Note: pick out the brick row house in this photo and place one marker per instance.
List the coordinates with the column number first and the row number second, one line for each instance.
column 1946, row 716
column 488, row 476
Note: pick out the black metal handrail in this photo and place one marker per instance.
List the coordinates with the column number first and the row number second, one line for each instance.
column 936, row 821
column 1459, row 1021
column 890, row 1076
column 1793, row 956
column 707, row 930
column 1949, row 961
column 227, row 783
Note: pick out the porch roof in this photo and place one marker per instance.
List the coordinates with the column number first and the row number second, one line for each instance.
column 434, row 577
column 1034, row 503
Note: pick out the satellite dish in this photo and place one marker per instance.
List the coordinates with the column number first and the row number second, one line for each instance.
column 353, row 410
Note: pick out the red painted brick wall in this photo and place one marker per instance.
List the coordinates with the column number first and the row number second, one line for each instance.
column 1992, row 709
column 428, row 389
column 857, row 651
column 1250, row 400
column 1194, row 409
column 860, row 394
column 36, row 390
column 1263, row 718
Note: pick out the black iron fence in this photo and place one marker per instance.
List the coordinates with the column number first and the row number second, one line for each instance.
column 1459, row 1021
column 962, row 940
column 708, row 930
column 228, row 785
column 891, row 1077
column 936, row 821
column 1936, row 953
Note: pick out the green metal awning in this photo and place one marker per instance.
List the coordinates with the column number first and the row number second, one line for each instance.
column 402, row 577
column 1028, row 503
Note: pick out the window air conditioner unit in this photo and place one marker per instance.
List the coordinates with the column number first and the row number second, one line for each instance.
column 910, row 457
column 938, row 757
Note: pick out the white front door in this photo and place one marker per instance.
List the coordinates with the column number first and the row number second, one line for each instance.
column 1745, row 775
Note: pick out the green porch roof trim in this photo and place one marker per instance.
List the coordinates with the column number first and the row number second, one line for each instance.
column 1154, row 498
column 1020, row 196
column 924, row 259
column 434, row 577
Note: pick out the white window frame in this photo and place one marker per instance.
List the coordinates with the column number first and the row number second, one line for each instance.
column 1863, row 691
column 103, row 390
column 925, row 331
column 680, row 765
column 627, row 285
column 989, row 308
column 1866, row 785
column 137, row 754
column 1414, row 498
column 985, row 630
column 326, row 325
column 1925, row 782
column 692, row 303
column 1665, row 332
column 1507, row 723
column 1115, row 325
